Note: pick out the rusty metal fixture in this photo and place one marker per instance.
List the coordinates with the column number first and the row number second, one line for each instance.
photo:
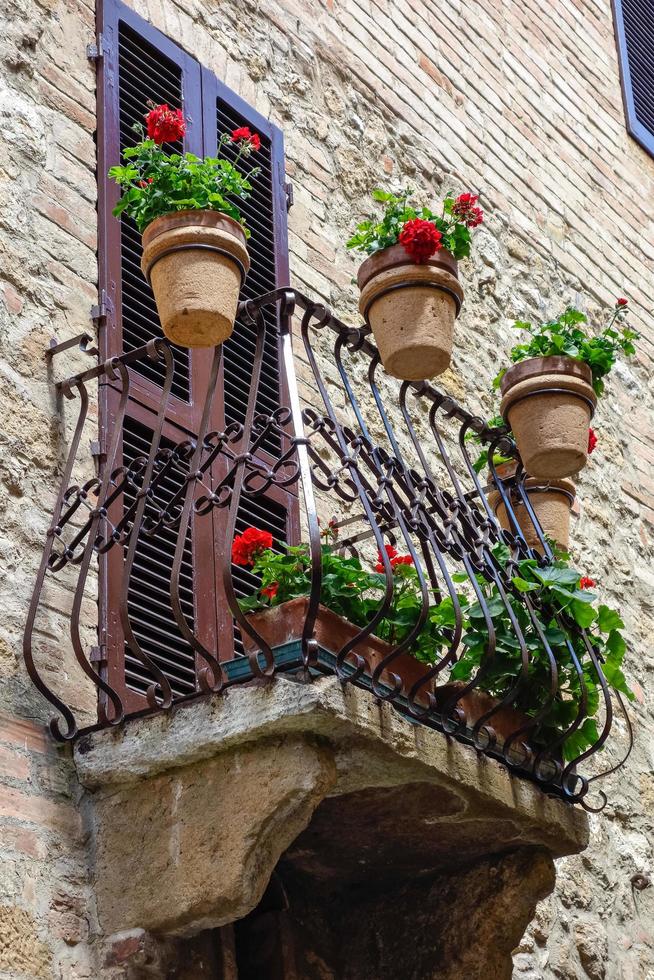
column 640, row 882
column 409, row 482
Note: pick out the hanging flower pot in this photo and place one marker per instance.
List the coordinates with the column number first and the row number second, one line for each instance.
column 552, row 504
column 410, row 291
column 196, row 262
column 194, row 240
column 548, row 403
column 550, row 392
column 411, row 310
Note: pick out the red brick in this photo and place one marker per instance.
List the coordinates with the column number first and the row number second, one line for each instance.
column 13, row 764
column 21, row 731
column 37, row 810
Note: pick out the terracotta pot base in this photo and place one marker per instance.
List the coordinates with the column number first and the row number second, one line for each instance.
column 552, row 505
column 196, row 262
column 411, row 310
column 549, row 402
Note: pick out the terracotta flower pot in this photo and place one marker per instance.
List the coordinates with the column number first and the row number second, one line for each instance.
column 196, row 262
column 549, row 402
column 411, row 309
column 476, row 703
column 552, row 503
column 284, row 623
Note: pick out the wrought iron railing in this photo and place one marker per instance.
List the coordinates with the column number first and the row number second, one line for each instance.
column 407, row 480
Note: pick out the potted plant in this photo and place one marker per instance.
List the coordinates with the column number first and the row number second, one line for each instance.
column 550, row 393
column 560, row 591
column 410, row 292
column 551, row 500
column 350, row 595
column 194, row 239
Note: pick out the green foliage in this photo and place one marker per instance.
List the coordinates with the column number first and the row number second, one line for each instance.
column 566, row 337
column 560, row 604
column 497, row 422
column 155, row 183
column 556, row 593
column 373, row 235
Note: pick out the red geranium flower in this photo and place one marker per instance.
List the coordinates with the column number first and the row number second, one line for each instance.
column 421, row 239
column 390, row 551
column 465, row 209
column 586, row 583
column 394, row 558
column 621, row 301
column 249, row 545
column 245, row 135
column 165, row 125
column 271, row 590
column 592, row 441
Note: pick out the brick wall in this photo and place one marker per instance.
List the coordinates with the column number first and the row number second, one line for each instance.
column 519, row 101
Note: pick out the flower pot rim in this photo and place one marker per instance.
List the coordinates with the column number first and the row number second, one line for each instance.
column 532, row 367
column 201, row 217
column 533, row 484
column 396, row 256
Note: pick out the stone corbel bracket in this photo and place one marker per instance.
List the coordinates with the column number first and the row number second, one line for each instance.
column 191, row 811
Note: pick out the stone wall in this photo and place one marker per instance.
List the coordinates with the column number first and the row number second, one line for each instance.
column 519, row 101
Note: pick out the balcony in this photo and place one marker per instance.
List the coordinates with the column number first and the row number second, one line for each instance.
column 368, row 463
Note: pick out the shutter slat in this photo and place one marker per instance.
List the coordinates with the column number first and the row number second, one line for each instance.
column 148, row 598
column 145, row 75
column 258, row 212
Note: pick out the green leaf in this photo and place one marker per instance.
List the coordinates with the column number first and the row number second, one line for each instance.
column 608, row 620
column 523, row 586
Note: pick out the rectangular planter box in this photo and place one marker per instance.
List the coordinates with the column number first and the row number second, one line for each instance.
column 284, row 624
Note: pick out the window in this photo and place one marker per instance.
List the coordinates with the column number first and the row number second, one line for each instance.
column 138, row 65
column 634, row 28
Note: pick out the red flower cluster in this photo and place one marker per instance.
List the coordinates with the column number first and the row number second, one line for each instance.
column 395, row 559
column 466, row 210
column 271, row 590
column 421, row 239
column 592, row 441
column 165, row 125
column 622, row 301
column 331, row 531
column 249, row 545
column 587, row 583
column 243, row 134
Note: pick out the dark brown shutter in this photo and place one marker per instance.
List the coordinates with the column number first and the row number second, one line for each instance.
column 141, row 65
column 634, row 28
column 265, row 216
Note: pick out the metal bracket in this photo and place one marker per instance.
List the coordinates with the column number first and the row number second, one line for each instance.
column 94, row 50
column 288, row 187
column 82, row 340
column 99, row 312
column 98, row 655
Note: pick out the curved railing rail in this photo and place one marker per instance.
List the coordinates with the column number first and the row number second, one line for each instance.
column 406, row 481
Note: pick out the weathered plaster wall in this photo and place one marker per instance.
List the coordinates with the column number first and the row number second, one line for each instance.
column 520, row 101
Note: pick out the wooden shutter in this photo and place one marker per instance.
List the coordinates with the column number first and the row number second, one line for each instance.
column 634, row 28
column 265, row 216
column 139, row 64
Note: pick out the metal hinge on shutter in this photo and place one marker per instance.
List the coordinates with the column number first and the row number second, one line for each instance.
column 94, row 50
column 99, row 312
column 289, row 195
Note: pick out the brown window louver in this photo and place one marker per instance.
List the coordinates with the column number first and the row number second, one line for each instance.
column 140, row 65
